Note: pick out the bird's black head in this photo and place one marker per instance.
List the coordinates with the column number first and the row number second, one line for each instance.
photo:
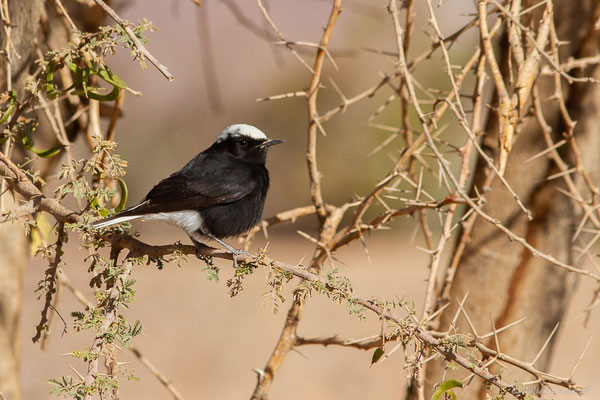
column 245, row 142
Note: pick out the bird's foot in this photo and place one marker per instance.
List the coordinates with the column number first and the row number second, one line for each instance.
column 200, row 247
column 235, row 253
column 234, row 256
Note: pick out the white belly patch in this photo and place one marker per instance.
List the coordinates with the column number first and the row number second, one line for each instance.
column 189, row 220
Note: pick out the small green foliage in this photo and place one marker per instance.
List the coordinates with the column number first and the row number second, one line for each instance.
column 456, row 342
column 339, row 286
column 377, row 354
column 83, row 57
column 235, row 284
column 142, row 26
column 124, row 195
column 113, row 164
column 276, row 281
column 68, row 387
column 23, row 131
column 103, row 163
column 472, row 354
column 125, row 332
column 445, row 389
column 521, row 387
column 212, row 271
column 86, row 355
column 11, row 96
column 502, row 392
column 104, row 384
column 107, row 323
column 90, row 320
column 356, row 309
column 102, row 268
column 336, row 287
column 497, row 377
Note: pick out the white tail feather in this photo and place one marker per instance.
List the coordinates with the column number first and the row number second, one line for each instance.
column 109, row 222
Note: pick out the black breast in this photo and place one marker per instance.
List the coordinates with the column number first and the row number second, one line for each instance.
column 233, row 219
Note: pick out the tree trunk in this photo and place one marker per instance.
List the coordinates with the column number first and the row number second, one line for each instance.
column 503, row 280
column 13, row 258
column 24, row 20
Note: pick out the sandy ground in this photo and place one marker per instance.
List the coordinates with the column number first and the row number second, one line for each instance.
column 208, row 344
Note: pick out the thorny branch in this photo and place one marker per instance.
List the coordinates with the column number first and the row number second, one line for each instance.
column 50, row 280
column 313, row 120
column 139, row 46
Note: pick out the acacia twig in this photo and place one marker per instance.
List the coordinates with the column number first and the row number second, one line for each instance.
column 313, row 116
column 110, row 317
column 50, row 282
column 139, row 46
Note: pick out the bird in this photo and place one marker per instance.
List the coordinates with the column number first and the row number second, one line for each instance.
column 218, row 194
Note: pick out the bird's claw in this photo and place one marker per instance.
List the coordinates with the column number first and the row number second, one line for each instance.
column 235, row 253
column 199, row 249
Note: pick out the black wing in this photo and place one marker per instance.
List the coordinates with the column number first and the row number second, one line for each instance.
column 207, row 180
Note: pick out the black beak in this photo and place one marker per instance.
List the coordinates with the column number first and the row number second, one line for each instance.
column 271, row 142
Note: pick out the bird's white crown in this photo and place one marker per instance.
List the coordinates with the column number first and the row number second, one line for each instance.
column 238, row 130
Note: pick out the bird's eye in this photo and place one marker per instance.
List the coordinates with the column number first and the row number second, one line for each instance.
column 243, row 143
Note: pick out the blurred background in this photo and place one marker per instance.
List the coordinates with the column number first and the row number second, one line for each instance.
column 223, row 60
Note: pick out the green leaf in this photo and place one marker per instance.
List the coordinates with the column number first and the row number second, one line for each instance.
column 12, row 101
column 102, row 97
column 124, row 193
column 446, row 387
column 106, row 74
column 27, row 141
column 377, row 355
column 74, row 68
column 48, row 153
column 78, row 72
column 51, row 90
column 95, row 205
column 84, row 81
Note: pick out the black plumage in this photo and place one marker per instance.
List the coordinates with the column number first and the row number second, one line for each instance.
column 219, row 193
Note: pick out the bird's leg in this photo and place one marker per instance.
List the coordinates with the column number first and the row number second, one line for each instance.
column 199, row 246
column 234, row 252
